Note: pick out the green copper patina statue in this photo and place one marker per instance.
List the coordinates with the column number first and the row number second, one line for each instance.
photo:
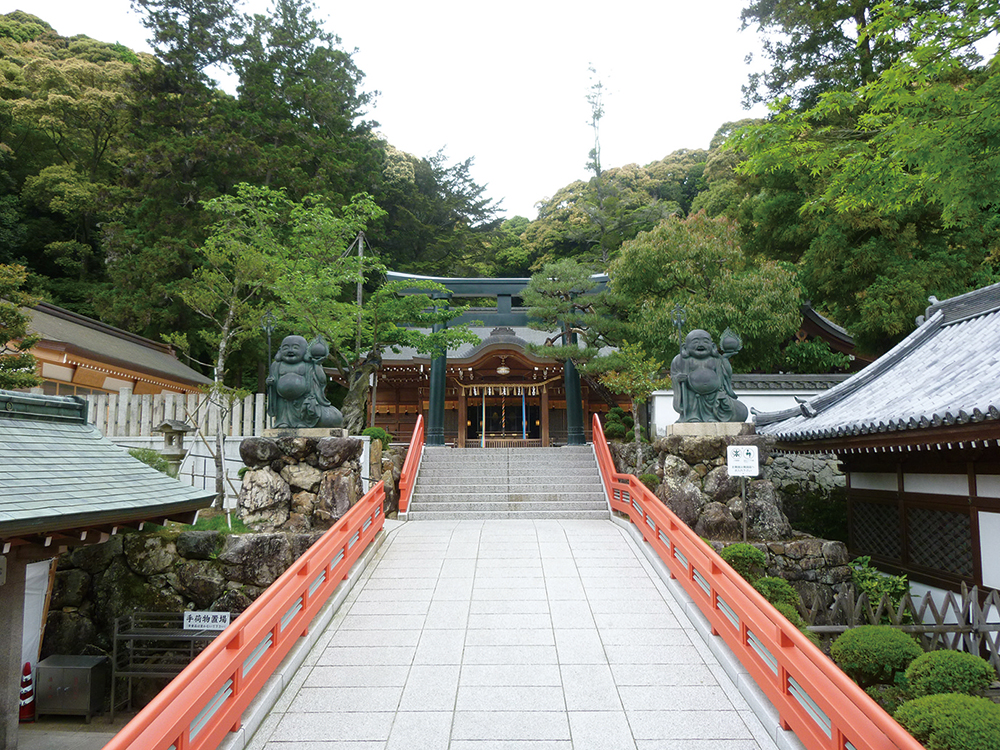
column 296, row 386
column 703, row 379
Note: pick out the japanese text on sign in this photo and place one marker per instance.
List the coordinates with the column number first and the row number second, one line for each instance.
column 206, row 620
column 741, row 460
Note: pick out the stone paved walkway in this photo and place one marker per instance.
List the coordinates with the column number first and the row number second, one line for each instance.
column 513, row 635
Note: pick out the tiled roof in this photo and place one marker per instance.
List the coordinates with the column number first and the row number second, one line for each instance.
column 945, row 373
column 95, row 340
column 57, row 472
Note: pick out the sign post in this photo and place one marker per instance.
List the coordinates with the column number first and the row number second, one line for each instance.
column 742, row 462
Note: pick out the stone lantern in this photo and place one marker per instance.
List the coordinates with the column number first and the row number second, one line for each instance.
column 173, row 442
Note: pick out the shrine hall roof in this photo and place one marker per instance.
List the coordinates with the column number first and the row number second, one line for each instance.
column 944, row 375
column 59, row 475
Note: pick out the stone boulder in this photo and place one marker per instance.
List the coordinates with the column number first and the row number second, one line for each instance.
column 199, row 545
column 70, row 588
column 716, row 522
column 201, row 581
column 148, row 554
column 302, row 477
column 333, row 452
column 255, row 559
column 257, row 452
column 337, row 493
column 264, row 499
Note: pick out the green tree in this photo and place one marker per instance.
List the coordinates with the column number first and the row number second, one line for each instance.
column 901, row 182
column 17, row 364
column 631, row 372
column 697, row 263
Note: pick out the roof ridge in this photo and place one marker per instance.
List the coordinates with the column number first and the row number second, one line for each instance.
column 60, row 312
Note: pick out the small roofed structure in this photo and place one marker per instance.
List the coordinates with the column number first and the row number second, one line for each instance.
column 63, row 484
column 918, row 434
column 78, row 356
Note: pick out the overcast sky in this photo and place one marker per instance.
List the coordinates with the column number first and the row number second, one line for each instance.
column 507, row 83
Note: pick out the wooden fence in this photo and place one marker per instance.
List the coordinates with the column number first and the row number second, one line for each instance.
column 125, row 414
column 964, row 621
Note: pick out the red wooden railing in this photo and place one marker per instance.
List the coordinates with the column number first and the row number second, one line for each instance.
column 814, row 698
column 411, row 464
column 207, row 700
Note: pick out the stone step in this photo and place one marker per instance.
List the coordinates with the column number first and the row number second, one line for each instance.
column 459, row 515
column 492, row 506
column 437, row 486
column 478, row 470
column 555, row 497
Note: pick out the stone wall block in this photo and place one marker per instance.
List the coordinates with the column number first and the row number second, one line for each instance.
column 95, row 558
column 684, row 499
column 256, row 559
column 719, row 486
column 296, row 447
column 302, row 477
column 716, row 522
column 199, row 545
column 201, row 581
column 337, row 493
column 70, row 588
column 149, row 554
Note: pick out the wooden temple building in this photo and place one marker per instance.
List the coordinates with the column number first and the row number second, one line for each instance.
column 494, row 394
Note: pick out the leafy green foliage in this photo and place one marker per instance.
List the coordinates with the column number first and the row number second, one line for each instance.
column 697, row 263
column 377, row 433
column 946, row 671
column 876, row 584
column 871, row 654
column 889, row 697
column 152, row 458
column 615, row 431
column 791, row 613
column 952, row 722
column 777, row 591
column 651, row 481
column 745, row 559
column 17, row 363
column 813, row 356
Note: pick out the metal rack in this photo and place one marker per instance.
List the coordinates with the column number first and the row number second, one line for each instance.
column 152, row 644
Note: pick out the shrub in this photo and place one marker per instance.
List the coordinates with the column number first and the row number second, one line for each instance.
column 877, row 584
column 614, row 431
column 889, row 697
column 628, row 421
column 871, row 654
column 615, row 413
column 651, row 481
column 777, row 591
column 377, row 433
column 952, row 722
column 746, row 560
column 949, row 672
column 151, row 458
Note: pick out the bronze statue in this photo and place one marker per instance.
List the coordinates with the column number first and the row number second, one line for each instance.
column 296, row 386
column 703, row 379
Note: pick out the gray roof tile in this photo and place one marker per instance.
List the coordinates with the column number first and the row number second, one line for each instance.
column 58, row 475
column 945, row 372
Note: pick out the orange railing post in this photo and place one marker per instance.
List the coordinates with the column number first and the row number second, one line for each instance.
column 814, row 698
column 207, row 700
column 410, row 466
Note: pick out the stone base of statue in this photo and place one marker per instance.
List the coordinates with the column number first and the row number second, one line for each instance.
column 305, row 432
column 710, row 429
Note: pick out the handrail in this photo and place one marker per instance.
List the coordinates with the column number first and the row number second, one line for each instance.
column 408, row 476
column 814, row 698
column 206, row 701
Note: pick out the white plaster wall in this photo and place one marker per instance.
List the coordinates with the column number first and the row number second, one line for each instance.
column 989, row 548
column 663, row 413
column 937, row 484
column 874, row 480
column 988, row 485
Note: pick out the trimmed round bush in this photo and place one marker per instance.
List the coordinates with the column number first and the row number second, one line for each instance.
column 949, row 672
column 952, row 721
column 377, row 433
column 889, row 697
column 745, row 559
column 777, row 591
column 616, row 413
column 872, row 654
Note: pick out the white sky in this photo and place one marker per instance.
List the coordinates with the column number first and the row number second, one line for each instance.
column 506, row 83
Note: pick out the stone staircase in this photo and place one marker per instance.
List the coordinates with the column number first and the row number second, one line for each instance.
column 478, row 483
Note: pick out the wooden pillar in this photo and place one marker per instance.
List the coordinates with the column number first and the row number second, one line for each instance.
column 463, row 416
column 545, row 415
